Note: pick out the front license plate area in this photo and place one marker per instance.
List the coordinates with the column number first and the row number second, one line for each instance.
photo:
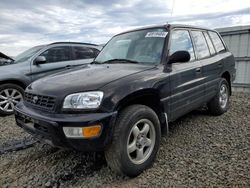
column 29, row 123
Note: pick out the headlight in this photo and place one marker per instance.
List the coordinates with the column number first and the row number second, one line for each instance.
column 85, row 100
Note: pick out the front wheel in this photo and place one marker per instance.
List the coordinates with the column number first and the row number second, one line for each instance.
column 135, row 141
column 10, row 95
column 220, row 103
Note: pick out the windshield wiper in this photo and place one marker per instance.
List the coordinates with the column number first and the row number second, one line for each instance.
column 121, row 60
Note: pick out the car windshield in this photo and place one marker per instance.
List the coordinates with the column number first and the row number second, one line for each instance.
column 27, row 54
column 143, row 46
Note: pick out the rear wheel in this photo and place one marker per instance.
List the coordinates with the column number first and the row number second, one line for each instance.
column 220, row 103
column 135, row 142
column 10, row 95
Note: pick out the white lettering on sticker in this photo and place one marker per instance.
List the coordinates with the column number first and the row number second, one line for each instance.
column 156, row 34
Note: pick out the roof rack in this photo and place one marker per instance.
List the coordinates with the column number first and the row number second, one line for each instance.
column 83, row 43
column 188, row 26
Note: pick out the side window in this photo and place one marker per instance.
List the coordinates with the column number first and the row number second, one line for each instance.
column 82, row 52
column 200, row 44
column 180, row 40
column 217, row 41
column 210, row 44
column 57, row 54
column 96, row 51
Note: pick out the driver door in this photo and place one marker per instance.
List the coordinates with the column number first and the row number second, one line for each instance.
column 58, row 58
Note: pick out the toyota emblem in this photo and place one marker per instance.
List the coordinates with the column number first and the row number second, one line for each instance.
column 35, row 99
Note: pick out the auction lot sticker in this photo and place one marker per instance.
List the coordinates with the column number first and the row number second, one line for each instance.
column 161, row 34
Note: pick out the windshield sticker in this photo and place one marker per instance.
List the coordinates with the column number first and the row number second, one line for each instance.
column 156, row 34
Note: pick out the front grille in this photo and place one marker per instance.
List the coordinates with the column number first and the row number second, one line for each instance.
column 40, row 101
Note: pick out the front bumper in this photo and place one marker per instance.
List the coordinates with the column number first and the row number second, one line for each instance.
column 49, row 127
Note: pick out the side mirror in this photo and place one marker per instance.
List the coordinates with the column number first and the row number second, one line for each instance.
column 40, row 60
column 179, row 57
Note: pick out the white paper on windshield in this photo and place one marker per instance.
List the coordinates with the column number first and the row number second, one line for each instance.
column 161, row 34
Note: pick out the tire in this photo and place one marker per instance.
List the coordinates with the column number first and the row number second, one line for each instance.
column 10, row 95
column 127, row 160
column 220, row 103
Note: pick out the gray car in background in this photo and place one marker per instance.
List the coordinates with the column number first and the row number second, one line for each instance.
column 36, row 63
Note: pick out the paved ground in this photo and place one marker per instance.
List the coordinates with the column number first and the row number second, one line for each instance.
column 200, row 151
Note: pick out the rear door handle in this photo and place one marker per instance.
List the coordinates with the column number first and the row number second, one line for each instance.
column 198, row 70
column 68, row 66
column 220, row 64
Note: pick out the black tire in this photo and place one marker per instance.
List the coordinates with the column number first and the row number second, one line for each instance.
column 9, row 86
column 116, row 155
column 214, row 106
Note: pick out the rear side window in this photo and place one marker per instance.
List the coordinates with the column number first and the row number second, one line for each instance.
column 202, row 50
column 209, row 43
column 180, row 40
column 82, row 52
column 57, row 54
column 217, row 41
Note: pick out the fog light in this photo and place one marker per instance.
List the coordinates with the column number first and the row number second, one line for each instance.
column 82, row 132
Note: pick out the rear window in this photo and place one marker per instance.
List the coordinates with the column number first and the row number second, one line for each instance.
column 217, row 41
column 202, row 50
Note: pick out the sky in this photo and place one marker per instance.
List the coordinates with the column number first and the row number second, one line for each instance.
column 27, row 23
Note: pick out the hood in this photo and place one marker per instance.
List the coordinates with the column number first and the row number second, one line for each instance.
column 87, row 78
column 4, row 59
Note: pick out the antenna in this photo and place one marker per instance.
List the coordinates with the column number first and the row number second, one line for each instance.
column 172, row 8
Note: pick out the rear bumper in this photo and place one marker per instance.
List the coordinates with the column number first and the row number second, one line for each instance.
column 49, row 127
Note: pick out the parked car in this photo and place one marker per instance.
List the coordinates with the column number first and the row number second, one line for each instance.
column 4, row 59
column 141, row 80
column 38, row 62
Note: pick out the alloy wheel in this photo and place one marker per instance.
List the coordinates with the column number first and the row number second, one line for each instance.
column 141, row 141
column 9, row 98
column 223, row 99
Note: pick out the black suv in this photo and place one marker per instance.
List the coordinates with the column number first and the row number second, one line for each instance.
column 141, row 80
column 38, row 62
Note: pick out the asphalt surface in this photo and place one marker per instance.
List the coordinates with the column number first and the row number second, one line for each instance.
column 200, row 151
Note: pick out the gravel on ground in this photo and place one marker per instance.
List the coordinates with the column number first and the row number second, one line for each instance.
column 9, row 130
column 199, row 151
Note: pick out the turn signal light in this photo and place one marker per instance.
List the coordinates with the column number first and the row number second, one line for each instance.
column 91, row 131
column 82, row 132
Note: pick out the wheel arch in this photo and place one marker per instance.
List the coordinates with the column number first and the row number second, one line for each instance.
column 227, row 76
column 148, row 97
column 16, row 82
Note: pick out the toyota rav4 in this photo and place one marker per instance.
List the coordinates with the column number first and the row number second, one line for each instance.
column 141, row 80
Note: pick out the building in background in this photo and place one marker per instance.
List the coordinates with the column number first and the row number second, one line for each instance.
column 238, row 41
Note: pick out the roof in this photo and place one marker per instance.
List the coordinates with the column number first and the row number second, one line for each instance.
column 168, row 26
